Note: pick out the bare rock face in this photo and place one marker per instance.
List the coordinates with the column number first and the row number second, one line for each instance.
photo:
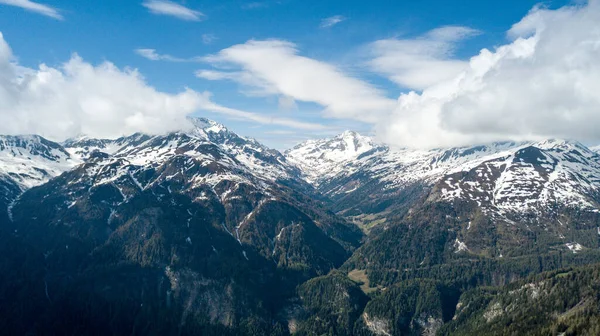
column 376, row 325
column 429, row 325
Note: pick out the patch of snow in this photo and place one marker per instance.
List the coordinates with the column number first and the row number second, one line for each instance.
column 574, row 247
column 460, row 246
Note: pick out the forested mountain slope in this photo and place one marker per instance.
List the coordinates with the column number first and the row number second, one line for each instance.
column 205, row 231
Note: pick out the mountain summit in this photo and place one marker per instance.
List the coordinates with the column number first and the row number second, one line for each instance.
column 323, row 158
column 166, row 222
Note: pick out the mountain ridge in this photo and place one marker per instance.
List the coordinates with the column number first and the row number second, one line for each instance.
column 202, row 209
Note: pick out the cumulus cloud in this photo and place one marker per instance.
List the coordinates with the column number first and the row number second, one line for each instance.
column 421, row 62
column 101, row 101
column 165, row 7
column 332, row 21
column 543, row 83
column 273, row 67
column 34, row 7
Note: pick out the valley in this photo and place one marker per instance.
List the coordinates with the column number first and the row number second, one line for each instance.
column 204, row 231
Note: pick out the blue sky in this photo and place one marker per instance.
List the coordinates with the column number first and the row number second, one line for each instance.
column 112, row 30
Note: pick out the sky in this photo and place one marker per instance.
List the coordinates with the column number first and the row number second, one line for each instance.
column 431, row 73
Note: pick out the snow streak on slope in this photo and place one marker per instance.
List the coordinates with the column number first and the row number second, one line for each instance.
column 532, row 179
column 83, row 146
column 401, row 167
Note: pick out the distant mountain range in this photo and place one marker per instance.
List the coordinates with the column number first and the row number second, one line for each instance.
column 205, row 231
column 508, row 181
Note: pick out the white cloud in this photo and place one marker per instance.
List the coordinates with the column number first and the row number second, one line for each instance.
column 100, row 101
column 152, row 55
column 34, row 7
column 208, row 38
column 287, row 103
column 165, row 7
column 273, row 67
column 264, row 119
column 544, row 83
column 421, row 62
column 331, row 21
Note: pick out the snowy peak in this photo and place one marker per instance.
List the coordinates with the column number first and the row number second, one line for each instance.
column 248, row 152
column 28, row 161
column 31, row 146
column 503, row 177
column 31, row 160
column 207, row 125
column 343, row 147
column 561, row 145
column 200, row 129
column 205, row 143
column 352, row 142
column 325, row 157
column 534, row 179
column 208, row 129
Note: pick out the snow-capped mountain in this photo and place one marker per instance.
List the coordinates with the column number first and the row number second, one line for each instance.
column 367, row 182
column 201, row 209
column 200, row 221
column 323, row 159
column 504, row 177
column 32, row 160
column 82, row 147
column 359, row 175
column 530, row 180
column 142, row 149
column 28, row 161
column 206, row 172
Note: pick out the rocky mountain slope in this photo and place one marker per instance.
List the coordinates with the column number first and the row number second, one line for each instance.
column 563, row 302
column 205, row 231
column 190, row 213
column 28, row 161
column 508, row 180
column 443, row 221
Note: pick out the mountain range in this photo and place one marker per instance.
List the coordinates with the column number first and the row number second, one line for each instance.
column 205, row 231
